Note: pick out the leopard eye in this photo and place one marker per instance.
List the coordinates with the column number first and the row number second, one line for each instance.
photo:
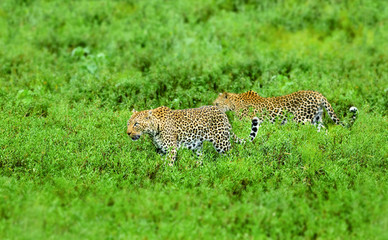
column 134, row 125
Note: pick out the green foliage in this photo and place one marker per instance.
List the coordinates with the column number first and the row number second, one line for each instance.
column 72, row 71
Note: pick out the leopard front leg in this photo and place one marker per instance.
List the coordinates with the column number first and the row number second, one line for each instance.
column 171, row 145
column 172, row 155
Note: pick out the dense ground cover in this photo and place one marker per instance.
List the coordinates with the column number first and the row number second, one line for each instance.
column 71, row 72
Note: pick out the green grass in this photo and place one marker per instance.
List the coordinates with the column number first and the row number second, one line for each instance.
column 71, row 72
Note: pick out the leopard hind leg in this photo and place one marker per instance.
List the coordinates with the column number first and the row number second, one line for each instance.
column 197, row 150
column 221, row 142
column 317, row 119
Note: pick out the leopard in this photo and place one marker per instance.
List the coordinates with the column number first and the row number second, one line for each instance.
column 171, row 130
column 305, row 106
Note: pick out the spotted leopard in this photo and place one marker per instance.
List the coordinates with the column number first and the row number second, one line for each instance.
column 171, row 130
column 305, row 106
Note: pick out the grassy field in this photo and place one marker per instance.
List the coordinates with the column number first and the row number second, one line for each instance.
column 72, row 71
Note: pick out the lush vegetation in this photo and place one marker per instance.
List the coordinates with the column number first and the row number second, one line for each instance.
column 72, row 71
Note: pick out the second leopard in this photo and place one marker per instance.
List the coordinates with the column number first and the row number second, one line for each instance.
column 305, row 106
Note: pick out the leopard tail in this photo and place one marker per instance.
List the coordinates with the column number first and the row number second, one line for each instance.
column 237, row 139
column 254, row 128
column 334, row 117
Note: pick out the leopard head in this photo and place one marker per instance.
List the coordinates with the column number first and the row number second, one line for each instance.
column 141, row 122
column 224, row 102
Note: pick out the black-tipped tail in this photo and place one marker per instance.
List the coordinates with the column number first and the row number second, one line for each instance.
column 354, row 112
column 255, row 127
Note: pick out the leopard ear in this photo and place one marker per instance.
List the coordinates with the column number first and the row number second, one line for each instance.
column 133, row 110
column 220, row 94
column 149, row 114
column 226, row 95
